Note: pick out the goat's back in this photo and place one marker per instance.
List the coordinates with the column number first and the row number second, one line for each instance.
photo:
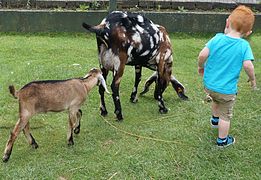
column 54, row 95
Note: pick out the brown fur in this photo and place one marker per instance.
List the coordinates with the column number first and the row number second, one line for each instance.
column 44, row 96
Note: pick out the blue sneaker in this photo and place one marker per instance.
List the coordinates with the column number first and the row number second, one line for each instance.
column 214, row 122
column 226, row 142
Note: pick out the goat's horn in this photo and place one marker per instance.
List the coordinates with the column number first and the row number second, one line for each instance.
column 103, row 83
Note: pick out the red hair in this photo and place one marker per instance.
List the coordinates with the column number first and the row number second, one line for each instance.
column 242, row 19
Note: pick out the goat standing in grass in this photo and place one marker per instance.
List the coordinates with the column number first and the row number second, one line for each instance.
column 53, row 95
column 131, row 39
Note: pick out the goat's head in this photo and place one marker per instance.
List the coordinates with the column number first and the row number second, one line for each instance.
column 96, row 73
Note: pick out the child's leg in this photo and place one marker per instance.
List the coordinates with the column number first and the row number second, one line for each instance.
column 215, row 114
column 223, row 128
column 215, row 109
column 225, row 109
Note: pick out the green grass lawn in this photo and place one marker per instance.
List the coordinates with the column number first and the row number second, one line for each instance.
column 146, row 145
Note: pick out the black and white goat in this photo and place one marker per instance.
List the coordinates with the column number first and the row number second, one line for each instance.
column 132, row 39
column 52, row 95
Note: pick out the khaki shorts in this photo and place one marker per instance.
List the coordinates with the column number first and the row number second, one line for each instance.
column 225, row 104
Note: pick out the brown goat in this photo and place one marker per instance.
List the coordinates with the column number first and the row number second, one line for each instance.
column 55, row 96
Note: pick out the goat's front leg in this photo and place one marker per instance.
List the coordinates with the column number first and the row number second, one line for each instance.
column 134, row 97
column 164, row 74
column 116, row 99
column 103, row 109
column 29, row 136
column 21, row 123
column 159, row 89
column 179, row 88
column 148, row 82
column 118, row 72
column 71, row 122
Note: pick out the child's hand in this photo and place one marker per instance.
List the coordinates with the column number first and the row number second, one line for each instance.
column 200, row 71
column 253, row 84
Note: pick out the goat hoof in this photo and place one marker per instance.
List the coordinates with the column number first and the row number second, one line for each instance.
column 6, row 158
column 134, row 100
column 35, row 145
column 103, row 112
column 163, row 110
column 119, row 118
column 183, row 96
column 70, row 143
column 76, row 130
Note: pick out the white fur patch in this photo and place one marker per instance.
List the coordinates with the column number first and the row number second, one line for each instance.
column 154, row 52
column 154, row 27
column 145, row 53
column 167, row 54
column 129, row 50
column 151, row 42
column 136, row 38
column 140, row 18
column 103, row 21
column 140, row 47
column 170, row 59
column 157, row 38
column 108, row 59
column 158, row 57
column 140, row 29
column 161, row 37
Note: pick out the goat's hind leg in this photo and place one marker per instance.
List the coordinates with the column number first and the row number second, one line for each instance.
column 29, row 136
column 134, row 97
column 159, row 89
column 148, row 82
column 77, row 125
column 179, row 88
column 21, row 123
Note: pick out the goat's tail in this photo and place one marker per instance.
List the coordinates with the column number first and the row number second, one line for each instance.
column 13, row 91
column 94, row 29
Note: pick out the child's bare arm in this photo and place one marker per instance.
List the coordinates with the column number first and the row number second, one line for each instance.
column 249, row 69
column 202, row 57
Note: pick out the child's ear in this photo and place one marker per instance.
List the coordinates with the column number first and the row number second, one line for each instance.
column 248, row 33
column 227, row 26
column 227, row 23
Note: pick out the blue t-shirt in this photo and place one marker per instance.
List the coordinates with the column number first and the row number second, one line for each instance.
column 224, row 63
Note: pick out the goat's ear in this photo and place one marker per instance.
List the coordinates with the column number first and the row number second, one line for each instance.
column 86, row 76
column 102, row 81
